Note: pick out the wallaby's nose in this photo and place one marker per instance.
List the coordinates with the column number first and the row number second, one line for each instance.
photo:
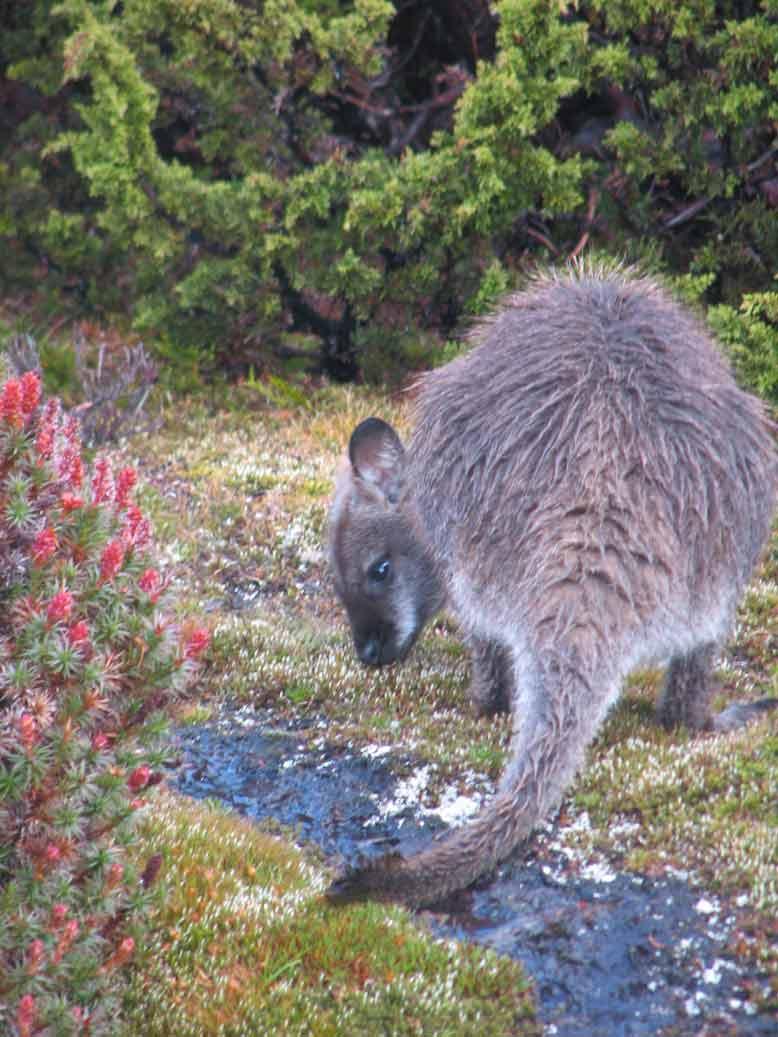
column 370, row 651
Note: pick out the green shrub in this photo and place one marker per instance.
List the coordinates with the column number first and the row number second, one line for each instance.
column 304, row 180
column 751, row 337
column 88, row 659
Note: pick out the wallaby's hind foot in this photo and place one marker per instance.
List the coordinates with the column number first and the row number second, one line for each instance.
column 491, row 682
column 738, row 714
column 688, row 689
column 687, row 694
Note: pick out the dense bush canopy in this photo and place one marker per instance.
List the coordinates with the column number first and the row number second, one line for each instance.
column 343, row 181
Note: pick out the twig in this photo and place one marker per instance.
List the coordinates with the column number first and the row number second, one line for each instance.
column 543, row 240
column 594, row 197
column 772, row 150
column 687, row 214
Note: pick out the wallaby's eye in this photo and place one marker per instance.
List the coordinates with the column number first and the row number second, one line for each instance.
column 379, row 571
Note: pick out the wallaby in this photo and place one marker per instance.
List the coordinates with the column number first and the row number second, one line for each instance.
column 589, row 490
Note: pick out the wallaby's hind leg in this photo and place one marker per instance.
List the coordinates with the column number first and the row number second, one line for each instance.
column 492, row 680
column 687, row 694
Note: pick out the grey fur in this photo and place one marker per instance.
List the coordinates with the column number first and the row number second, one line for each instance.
column 589, row 490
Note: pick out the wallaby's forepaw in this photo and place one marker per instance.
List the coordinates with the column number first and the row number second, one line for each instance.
column 741, row 713
column 368, row 880
column 486, row 709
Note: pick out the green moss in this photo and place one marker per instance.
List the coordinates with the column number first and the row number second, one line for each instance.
column 244, row 943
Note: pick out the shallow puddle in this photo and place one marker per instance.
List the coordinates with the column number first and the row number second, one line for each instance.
column 612, row 954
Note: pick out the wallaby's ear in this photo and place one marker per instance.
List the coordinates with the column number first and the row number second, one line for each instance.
column 378, row 457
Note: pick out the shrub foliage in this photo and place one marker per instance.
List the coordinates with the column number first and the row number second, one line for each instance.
column 324, row 179
column 88, row 659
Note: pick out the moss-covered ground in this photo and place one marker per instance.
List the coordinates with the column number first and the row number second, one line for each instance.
column 244, row 944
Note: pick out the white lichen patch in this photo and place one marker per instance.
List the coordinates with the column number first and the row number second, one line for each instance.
column 412, row 796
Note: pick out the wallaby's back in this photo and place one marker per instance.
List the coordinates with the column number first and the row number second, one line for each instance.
column 593, row 434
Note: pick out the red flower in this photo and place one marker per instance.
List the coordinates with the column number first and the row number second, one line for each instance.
column 114, row 876
column 69, row 933
column 35, row 954
column 70, row 467
column 52, row 853
column 11, row 404
column 79, row 632
column 196, row 643
column 60, row 607
column 121, row 955
column 111, row 560
column 102, row 481
column 125, row 482
column 25, row 1015
column 150, row 582
column 31, row 392
column 44, row 546
column 28, row 731
column 58, row 915
column 136, row 531
column 47, row 428
column 69, row 502
column 139, row 778
column 100, row 741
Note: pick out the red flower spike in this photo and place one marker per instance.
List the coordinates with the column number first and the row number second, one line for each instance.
column 69, row 502
column 136, row 532
column 103, row 489
column 139, row 778
column 25, row 1015
column 31, row 392
column 78, row 634
column 70, row 467
column 58, row 915
column 76, row 474
column 47, row 429
column 71, row 430
column 52, row 853
column 125, row 951
column 125, row 483
column 69, row 933
column 28, row 731
column 111, row 560
column 60, row 607
column 150, row 582
column 35, row 954
column 44, row 546
column 114, row 876
column 121, row 955
column 196, row 643
column 11, row 404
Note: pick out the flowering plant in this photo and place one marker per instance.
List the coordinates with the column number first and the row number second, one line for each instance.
column 89, row 657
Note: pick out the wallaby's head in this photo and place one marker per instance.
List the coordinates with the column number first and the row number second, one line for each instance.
column 384, row 575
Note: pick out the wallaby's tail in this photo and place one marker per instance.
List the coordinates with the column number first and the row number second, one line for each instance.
column 452, row 864
column 561, row 712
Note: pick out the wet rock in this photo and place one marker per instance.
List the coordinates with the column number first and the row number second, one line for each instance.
column 612, row 954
